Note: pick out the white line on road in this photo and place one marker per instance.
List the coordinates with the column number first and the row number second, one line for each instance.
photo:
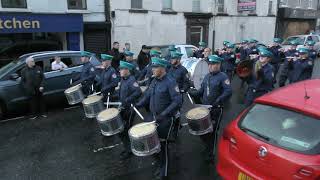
column 72, row 107
column 184, row 124
column 105, row 148
column 12, row 119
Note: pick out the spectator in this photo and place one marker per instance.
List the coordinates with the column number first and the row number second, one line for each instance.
column 127, row 47
column 143, row 57
column 57, row 64
column 117, row 56
column 32, row 79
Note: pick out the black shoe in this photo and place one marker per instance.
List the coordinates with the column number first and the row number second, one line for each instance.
column 126, row 155
column 33, row 117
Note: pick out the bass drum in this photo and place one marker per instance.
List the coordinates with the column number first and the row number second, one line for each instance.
column 197, row 69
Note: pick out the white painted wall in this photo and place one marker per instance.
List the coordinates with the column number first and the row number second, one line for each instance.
column 93, row 13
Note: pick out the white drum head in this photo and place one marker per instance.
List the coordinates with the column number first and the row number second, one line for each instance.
column 142, row 129
column 92, row 99
column 197, row 69
column 108, row 114
column 197, row 113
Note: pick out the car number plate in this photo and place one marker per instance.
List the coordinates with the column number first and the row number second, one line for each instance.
column 243, row 176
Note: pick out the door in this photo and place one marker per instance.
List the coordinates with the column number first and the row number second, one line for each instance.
column 56, row 82
column 196, row 35
column 197, row 30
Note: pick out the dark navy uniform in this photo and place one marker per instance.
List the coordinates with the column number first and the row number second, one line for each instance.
column 145, row 76
column 180, row 73
column 301, row 69
column 87, row 77
column 129, row 93
column 108, row 80
column 136, row 71
column 164, row 101
column 215, row 90
column 276, row 60
column 287, row 72
column 260, row 83
column 229, row 64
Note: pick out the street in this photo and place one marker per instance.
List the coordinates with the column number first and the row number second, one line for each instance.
column 64, row 146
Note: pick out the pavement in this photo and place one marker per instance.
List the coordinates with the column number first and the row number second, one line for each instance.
column 67, row 146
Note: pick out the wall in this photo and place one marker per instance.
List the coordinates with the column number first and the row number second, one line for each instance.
column 93, row 13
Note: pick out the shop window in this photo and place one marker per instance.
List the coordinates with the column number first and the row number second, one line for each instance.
column 167, row 4
column 14, row 3
column 136, row 4
column 196, row 34
column 77, row 4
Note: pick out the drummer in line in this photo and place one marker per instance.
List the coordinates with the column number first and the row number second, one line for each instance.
column 181, row 75
column 108, row 78
column 164, row 101
column 87, row 74
column 215, row 90
column 129, row 93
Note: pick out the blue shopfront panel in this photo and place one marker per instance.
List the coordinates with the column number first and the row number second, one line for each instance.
column 29, row 23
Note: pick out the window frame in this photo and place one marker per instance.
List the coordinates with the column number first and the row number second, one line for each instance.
column 167, row 8
column 82, row 8
column 220, row 5
column 24, row 7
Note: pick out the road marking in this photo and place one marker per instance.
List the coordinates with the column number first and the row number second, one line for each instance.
column 184, row 124
column 12, row 119
column 72, row 107
column 106, row 148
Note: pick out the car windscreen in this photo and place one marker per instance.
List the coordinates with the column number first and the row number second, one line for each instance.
column 293, row 38
column 8, row 67
column 283, row 128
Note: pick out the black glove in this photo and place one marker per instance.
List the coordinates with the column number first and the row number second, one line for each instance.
column 193, row 92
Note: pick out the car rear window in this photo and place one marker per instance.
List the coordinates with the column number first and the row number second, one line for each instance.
column 283, row 128
column 294, row 38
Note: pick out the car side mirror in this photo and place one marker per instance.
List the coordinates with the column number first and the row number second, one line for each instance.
column 14, row 76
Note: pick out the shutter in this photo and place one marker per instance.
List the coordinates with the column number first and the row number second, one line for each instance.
column 96, row 41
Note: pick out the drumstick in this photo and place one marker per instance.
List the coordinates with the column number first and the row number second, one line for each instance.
column 137, row 111
column 190, row 98
column 108, row 100
column 94, row 94
column 205, row 106
column 114, row 103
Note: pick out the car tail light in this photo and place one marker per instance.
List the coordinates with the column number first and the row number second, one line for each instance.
column 307, row 172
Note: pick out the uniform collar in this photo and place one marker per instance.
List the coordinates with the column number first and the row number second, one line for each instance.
column 214, row 73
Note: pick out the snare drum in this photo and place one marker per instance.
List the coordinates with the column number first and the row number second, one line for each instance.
column 110, row 122
column 144, row 139
column 74, row 94
column 92, row 106
column 199, row 121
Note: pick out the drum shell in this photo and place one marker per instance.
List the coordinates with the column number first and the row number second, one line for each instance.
column 201, row 126
column 197, row 69
column 145, row 145
column 91, row 110
column 74, row 97
column 112, row 126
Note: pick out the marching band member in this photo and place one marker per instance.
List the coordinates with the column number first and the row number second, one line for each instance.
column 87, row 75
column 181, row 75
column 129, row 58
column 108, row 76
column 164, row 100
column 129, row 93
column 243, row 50
column 229, row 62
column 312, row 52
column 299, row 68
column 146, row 74
column 215, row 90
column 260, row 82
column 275, row 48
column 290, row 54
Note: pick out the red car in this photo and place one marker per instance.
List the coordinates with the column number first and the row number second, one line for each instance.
column 277, row 138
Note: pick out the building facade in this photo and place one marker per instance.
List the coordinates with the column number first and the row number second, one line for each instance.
column 165, row 22
column 71, row 24
column 297, row 17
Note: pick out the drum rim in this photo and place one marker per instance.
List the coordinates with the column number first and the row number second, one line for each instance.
column 69, row 92
column 207, row 110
